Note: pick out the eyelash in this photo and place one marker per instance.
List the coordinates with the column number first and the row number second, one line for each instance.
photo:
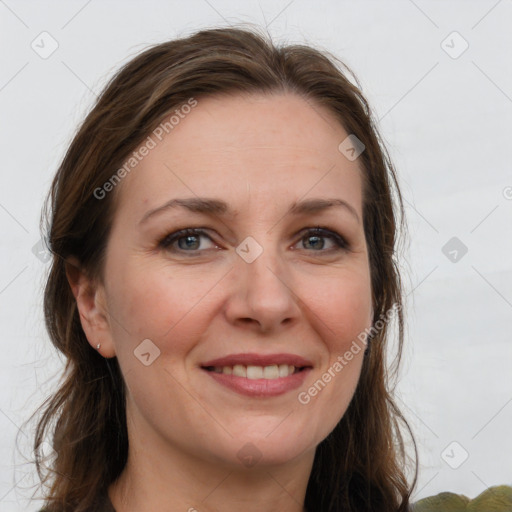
column 318, row 231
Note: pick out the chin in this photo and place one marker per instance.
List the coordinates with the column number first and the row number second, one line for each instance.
column 260, row 451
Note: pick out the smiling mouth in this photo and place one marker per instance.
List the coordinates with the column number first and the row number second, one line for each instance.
column 252, row 372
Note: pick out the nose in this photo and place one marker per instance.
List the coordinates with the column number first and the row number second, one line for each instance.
column 262, row 297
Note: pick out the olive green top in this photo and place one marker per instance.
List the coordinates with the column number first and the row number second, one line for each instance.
column 494, row 499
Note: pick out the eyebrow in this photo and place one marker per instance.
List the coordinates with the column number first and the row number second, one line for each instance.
column 214, row 207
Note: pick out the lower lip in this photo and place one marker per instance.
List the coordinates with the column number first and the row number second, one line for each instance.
column 260, row 387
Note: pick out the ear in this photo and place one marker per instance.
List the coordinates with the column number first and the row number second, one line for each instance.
column 92, row 308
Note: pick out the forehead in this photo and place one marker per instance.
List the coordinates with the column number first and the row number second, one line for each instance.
column 277, row 145
column 258, row 121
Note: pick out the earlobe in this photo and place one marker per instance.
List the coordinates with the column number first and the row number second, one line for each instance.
column 92, row 308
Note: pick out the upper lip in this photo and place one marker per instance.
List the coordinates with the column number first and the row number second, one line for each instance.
column 259, row 360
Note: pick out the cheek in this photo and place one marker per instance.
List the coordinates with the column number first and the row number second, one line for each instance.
column 153, row 302
column 149, row 303
column 343, row 312
column 346, row 308
column 172, row 310
column 346, row 312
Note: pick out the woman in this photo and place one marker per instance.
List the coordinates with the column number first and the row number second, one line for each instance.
column 223, row 236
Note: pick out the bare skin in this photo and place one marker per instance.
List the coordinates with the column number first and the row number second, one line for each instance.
column 197, row 299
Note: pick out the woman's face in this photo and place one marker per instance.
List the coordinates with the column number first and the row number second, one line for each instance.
column 256, row 288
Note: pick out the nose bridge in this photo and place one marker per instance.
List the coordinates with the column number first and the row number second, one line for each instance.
column 262, row 280
column 260, row 262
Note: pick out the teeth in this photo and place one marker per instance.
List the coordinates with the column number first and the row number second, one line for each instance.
column 252, row 372
column 239, row 370
column 284, row 370
column 271, row 372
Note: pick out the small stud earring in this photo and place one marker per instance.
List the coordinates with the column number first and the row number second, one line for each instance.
column 98, row 346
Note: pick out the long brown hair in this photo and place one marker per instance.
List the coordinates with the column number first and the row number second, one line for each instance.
column 361, row 465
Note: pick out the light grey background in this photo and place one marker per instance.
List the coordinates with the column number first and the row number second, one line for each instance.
column 446, row 122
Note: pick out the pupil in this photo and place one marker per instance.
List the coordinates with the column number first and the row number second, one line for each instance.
column 192, row 240
column 318, row 239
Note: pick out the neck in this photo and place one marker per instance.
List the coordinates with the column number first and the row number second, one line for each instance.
column 160, row 476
